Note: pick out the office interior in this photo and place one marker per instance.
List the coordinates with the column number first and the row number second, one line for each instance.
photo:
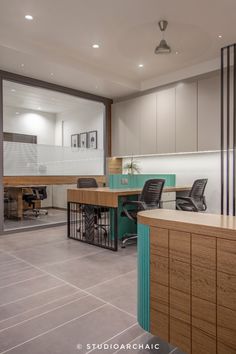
column 117, row 177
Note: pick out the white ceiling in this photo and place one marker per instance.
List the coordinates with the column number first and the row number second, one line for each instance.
column 34, row 98
column 60, row 39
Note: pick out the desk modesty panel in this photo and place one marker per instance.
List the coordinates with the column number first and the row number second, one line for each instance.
column 187, row 279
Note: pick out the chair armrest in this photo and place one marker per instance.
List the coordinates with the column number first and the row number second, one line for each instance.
column 138, row 204
column 189, row 200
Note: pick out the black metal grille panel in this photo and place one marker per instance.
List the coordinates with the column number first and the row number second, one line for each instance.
column 93, row 224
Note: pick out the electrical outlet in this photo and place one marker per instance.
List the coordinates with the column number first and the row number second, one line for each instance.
column 124, row 181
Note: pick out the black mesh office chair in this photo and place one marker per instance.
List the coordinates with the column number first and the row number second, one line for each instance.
column 150, row 198
column 31, row 196
column 196, row 200
column 87, row 182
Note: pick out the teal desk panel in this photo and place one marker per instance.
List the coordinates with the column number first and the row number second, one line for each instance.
column 144, row 277
column 137, row 181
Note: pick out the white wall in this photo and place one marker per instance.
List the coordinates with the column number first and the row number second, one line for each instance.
column 87, row 117
column 187, row 168
column 41, row 124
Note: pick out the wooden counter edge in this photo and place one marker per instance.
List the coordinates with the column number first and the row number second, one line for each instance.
column 191, row 227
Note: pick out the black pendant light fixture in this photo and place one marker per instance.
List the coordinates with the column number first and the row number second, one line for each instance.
column 163, row 47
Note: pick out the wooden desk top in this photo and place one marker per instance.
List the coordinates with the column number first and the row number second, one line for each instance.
column 198, row 223
column 105, row 196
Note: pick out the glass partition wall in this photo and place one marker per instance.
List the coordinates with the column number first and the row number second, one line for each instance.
column 46, row 133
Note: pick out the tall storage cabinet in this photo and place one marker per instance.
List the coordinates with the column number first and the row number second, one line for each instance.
column 166, row 121
column 148, row 124
column 209, row 114
column 186, row 117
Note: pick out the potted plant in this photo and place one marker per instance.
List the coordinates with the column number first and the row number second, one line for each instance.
column 132, row 167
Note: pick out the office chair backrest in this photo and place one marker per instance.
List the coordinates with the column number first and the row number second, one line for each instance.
column 152, row 191
column 198, row 188
column 87, row 183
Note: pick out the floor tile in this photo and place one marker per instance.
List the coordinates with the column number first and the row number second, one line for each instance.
column 20, row 277
column 121, row 292
column 16, row 335
column 30, row 287
column 29, row 239
column 55, row 252
column 95, row 327
column 92, row 270
column 36, row 304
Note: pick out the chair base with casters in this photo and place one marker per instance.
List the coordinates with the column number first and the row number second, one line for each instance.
column 31, row 197
column 150, row 198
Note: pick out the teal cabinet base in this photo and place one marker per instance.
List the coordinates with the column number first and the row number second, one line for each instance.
column 144, row 276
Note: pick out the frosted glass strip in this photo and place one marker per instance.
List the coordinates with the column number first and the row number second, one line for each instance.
column 34, row 160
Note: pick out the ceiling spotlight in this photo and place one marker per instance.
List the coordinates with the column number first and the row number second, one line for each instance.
column 51, row 74
column 13, row 90
column 95, row 46
column 29, row 17
column 39, row 108
column 17, row 113
column 163, row 47
column 220, row 36
column 22, row 65
column 140, row 65
column 176, row 52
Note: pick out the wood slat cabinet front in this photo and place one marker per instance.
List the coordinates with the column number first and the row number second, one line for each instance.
column 193, row 291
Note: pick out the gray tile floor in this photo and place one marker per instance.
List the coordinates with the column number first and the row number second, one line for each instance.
column 54, row 216
column 59, row 296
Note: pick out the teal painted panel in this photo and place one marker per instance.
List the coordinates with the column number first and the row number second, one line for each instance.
column 144, row 277
column 137, row 181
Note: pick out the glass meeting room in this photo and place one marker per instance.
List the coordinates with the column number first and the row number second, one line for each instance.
column 49, row 139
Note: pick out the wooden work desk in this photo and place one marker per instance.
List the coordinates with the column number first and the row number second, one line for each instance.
column 187, row 279
column 109, row 197
column 103, row 197
column 16, row 204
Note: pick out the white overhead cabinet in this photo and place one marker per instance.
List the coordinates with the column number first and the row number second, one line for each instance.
column 186, row 117
column 132, row 123
column 209, row 114
column 148, row 123
column 166, row 121
column 118, row 128
column 125, row 128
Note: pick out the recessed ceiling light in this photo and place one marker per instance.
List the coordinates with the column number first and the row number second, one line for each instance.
column 176, row 52
column 220, row 36
column 39, row 108
column 13, row 90
column 22, row 65
column 140, row 65
column 95, row 46
column 17, row 113
column 51, row 74
column 29, row 17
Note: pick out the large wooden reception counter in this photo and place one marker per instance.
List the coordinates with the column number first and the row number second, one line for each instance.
column 187, row 279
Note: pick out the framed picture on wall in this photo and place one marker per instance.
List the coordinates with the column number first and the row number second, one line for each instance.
column 75, row 140
column 92, row 139
column 83, row 138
